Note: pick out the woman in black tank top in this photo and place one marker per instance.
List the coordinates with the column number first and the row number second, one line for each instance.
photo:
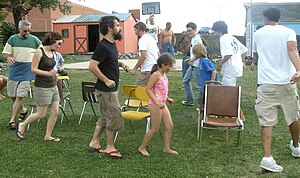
column 45, row 90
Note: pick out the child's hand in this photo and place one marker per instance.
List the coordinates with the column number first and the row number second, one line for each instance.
column 133, row 71
column 161, row 106
column 170, row 100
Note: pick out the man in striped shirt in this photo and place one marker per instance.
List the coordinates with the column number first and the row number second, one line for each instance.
column 18, row 52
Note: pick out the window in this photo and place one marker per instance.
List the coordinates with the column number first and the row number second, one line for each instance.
column 65, row 33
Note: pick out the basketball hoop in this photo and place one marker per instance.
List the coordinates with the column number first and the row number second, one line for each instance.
column 151, row 8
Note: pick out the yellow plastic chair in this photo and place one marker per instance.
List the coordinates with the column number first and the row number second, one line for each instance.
column 64, row 94
column 132, row 101
column 137, row 115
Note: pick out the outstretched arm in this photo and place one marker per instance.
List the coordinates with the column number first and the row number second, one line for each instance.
column 140, row 62
column 294, row 57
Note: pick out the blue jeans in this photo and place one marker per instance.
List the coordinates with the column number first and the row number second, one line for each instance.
column 191, row 73
column 168, row 48
column 184, row 65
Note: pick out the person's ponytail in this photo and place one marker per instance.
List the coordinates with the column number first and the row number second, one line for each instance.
column 154, row 68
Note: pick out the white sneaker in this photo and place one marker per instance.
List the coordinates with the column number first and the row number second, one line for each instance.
column 186, row 103
column 270, row 165
column 295, row 151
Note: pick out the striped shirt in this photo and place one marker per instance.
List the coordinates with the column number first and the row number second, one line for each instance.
column 22, row 50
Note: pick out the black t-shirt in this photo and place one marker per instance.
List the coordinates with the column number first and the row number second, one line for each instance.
column 107, row 54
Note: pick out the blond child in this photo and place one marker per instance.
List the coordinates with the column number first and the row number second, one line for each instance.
column 157, row 89
column 206, row 68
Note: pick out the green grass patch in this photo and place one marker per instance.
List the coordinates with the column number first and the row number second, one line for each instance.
column 34, row 157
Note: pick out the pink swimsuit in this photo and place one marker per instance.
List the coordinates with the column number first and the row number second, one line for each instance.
column 160, row 90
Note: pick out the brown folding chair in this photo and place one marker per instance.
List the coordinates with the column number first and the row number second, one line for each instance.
column 201, row 104
column 222, row 110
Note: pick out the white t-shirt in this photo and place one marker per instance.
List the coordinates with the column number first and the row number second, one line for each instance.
column 195, row 40
column 229, row 45
column 153, row 30
column 274, row 64
column 146, row 42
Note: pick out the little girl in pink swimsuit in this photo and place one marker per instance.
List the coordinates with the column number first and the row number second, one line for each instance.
column 157, row 89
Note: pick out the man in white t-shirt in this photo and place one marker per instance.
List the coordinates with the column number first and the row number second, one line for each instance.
column 148, row 56
column 192, row 72
column 275, row 47
column 233, row 53
column 153, row 29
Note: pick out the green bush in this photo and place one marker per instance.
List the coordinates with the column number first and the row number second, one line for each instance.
column 1, row 57
column 7, row 30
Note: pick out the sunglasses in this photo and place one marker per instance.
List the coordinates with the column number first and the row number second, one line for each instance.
column 25, row 31
column 59, row 43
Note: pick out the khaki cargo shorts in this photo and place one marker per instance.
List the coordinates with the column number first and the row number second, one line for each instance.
column 110, row 111
column 270, row 98
column 18, row 88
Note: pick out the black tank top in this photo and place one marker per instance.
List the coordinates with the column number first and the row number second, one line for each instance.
column 46, row 64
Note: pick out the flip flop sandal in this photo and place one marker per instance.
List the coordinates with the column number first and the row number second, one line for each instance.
column 96, row 150
column 12, row 125
column 19, row 135
column 22, row 116
column 54, row 140
column 111, row 154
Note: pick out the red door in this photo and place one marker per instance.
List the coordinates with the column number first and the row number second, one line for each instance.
column 80, row 39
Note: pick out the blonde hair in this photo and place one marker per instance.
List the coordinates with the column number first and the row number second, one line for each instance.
column 199, row 50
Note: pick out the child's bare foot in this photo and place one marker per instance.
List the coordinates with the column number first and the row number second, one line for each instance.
column 144, row 152
column 171, row 151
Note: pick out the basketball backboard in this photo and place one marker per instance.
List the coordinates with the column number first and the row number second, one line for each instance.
column 151, row 8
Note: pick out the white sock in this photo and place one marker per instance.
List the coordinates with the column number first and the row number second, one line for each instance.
column 268, row 158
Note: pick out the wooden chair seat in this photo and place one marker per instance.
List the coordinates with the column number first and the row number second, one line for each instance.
column 222, row 122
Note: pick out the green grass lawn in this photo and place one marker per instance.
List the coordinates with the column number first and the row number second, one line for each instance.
column 34, row 157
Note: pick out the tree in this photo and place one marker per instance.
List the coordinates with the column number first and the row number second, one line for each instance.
column 20, row 8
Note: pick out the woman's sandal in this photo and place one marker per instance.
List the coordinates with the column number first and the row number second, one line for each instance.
column 22, row 116
column 12, row 125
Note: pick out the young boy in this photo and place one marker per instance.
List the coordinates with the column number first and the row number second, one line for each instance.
column 59, row 64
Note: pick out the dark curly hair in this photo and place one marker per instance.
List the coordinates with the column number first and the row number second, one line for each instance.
column 107, row 21
column 220, row 26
